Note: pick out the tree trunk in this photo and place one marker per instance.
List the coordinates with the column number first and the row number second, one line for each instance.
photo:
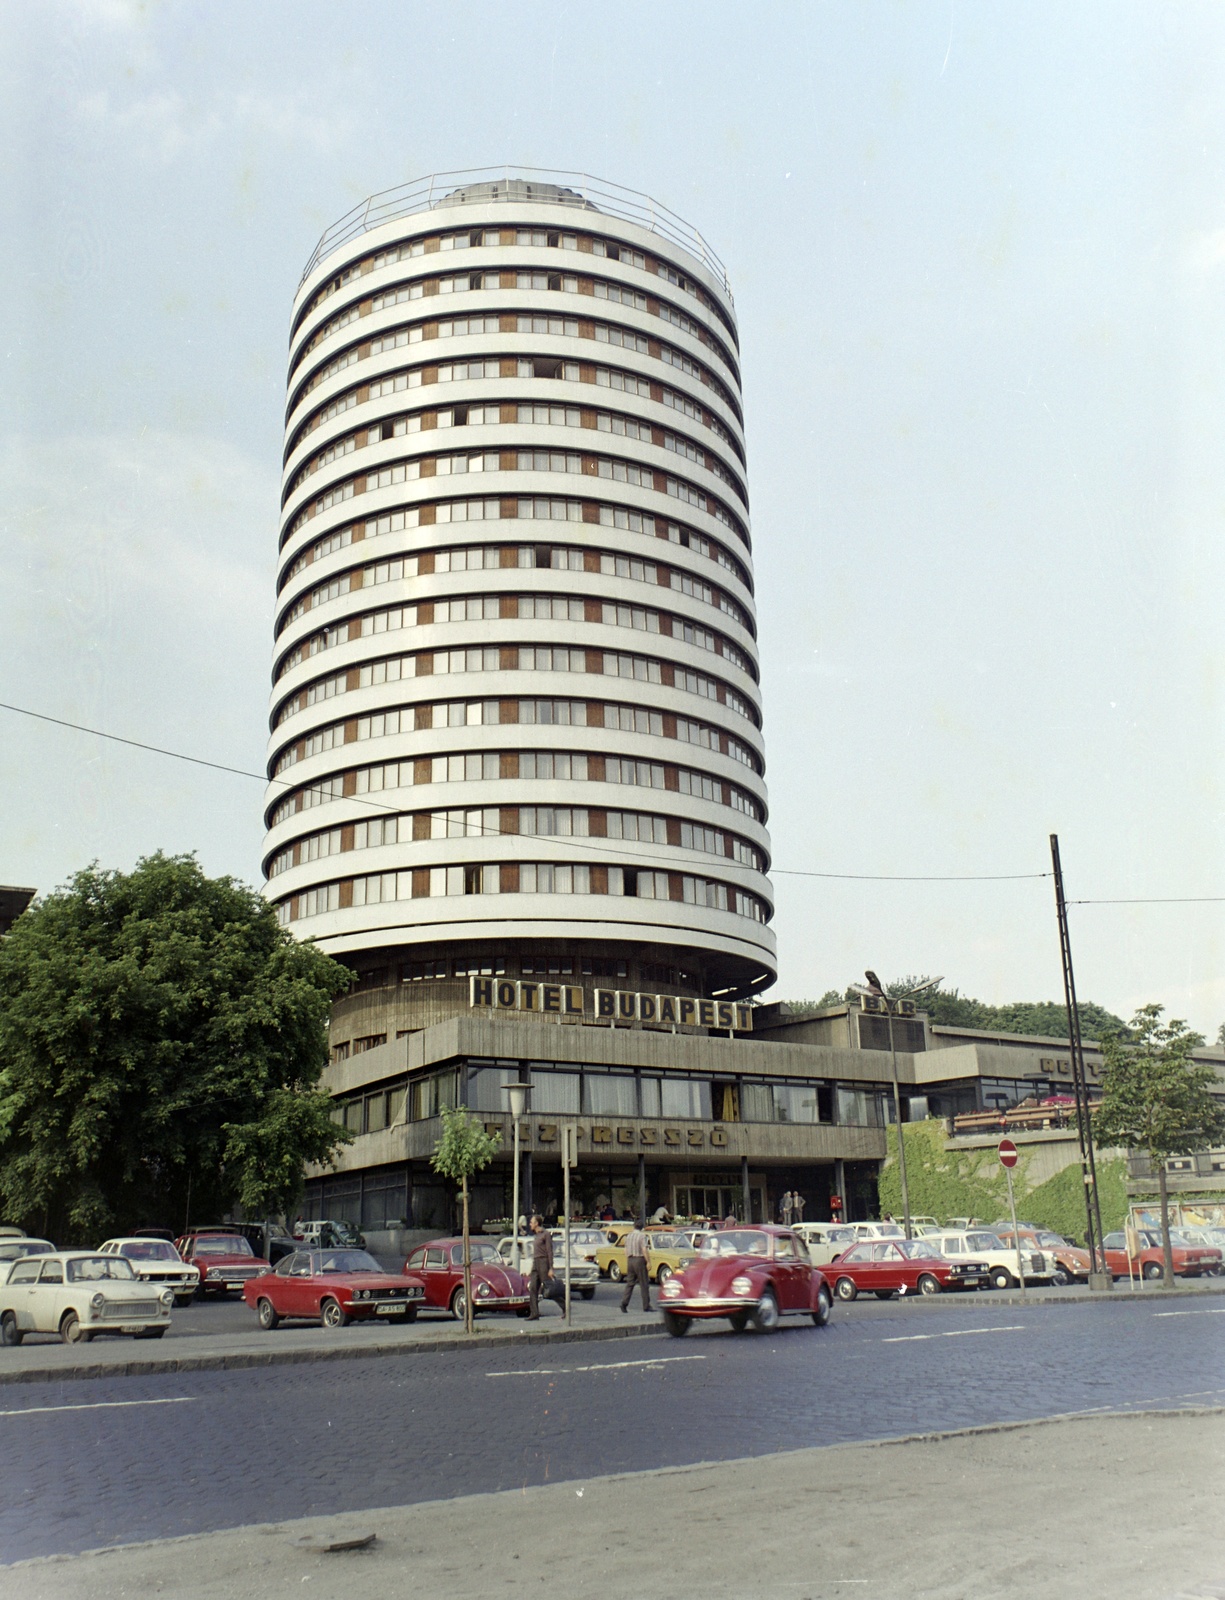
column 467, row 1265
column 1167, row 1253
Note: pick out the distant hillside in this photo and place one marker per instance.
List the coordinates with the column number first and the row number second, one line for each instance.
column 955, row 1010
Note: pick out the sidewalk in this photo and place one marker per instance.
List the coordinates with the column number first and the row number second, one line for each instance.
column 1119, row 1506
column 112, row 1357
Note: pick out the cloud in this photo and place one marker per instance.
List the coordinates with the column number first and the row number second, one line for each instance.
column 165, row 125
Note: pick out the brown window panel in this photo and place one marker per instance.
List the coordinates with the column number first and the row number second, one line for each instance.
column 424, row 717
column 422, row 771
column 351, row 731
column 350, row 783
column 508, row 711
column 346, row 893
column 508, row 819
column 421, row 883
column 672, row 778
column 508, row 764
column 421, row 825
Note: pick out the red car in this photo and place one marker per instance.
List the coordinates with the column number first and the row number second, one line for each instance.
column 440, row 1266
column 885, row 1267
column 746, row 1274
column 226, row 1261
column 334, row 1287
column 1190, row 1261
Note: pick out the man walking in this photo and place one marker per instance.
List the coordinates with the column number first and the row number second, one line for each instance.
column 636, row 1246
column 542, row 1267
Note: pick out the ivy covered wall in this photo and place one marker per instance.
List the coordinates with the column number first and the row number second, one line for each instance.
column 970, row 1183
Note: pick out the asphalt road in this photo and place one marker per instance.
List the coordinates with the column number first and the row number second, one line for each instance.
column 135, row 1458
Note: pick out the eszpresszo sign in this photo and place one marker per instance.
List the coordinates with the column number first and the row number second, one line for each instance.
column 608, row 1005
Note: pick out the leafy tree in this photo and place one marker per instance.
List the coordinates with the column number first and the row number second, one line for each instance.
column 161, row 1042
column 1155, row 1098
column 955, row 1010
column 464, row 1148
column 1220, row 1036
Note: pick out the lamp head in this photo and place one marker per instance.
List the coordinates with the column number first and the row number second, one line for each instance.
column 517, row 1094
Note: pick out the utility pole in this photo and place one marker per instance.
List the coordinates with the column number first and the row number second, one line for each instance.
column 1080, row 1089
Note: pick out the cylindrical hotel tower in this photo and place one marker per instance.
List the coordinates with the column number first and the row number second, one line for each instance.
column 516, row 722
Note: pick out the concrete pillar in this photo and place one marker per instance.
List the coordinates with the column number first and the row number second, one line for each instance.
column 747, row 1192
column 525, row 1184
column 840, row 1183
column 642, row 1185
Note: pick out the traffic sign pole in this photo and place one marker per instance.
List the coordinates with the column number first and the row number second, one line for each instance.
column 1008, row 1159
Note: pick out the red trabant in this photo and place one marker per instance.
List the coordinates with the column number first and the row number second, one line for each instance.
column 885, row 1267
column 334, row 1287
column 440, row 1266
column 226, row 1260
column 756, row 1275
column 1190, row 1261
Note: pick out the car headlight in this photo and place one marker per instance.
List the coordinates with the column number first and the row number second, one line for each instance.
column 167, row 1297
column 671, row 1290
column 742, row 1285
column 97, row 1301
column 482, row 1288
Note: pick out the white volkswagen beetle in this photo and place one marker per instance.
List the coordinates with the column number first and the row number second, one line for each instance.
column 78, row 1293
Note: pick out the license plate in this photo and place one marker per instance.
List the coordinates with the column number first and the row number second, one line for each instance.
column 137, row 1327
column 233, row 1285
column 389, row 1309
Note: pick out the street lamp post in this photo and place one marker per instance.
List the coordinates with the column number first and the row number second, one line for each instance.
column 517, row 1094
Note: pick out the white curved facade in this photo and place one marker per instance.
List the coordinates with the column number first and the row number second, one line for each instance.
column 515, row 710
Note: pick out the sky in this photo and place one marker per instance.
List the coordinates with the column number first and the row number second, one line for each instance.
column 978, row 254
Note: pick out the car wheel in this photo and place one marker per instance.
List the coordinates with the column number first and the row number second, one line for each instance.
column 1152, row 1270
column 664, row 1273
column 825, row 1307
column 71, row 1331
column 523, row 1311
column 739, row 1321
column 182, row 1300
column 589, row 1292
column 846, row 1289
column 1061, row 1277
column 928, row 1285
column 1001, row 1278
column 410, row 1315
column 883, row 1294
column 268, row 1318
column 615, row 1273
column 676, row 1325
column 765, row 1318
column 10, row 1333
column 332, row 1314
column 457, row 1306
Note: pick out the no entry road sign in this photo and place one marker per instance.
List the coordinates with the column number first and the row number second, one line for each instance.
column 1007, row 1153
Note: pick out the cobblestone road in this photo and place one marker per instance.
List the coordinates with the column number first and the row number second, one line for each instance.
column 117, row 1460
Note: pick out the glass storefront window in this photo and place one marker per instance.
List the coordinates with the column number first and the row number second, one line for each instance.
column 858, row 1107
column 613, row 1094
column 485, row 1092
column 685, row 1097
column 556, row 1093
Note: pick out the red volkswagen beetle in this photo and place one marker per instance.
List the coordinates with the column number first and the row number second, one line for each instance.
column 334, row 1287
column 756, row 1275
column 886, row 1267
column 440, row 1266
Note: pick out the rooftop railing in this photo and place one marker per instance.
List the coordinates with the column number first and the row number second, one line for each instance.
column 491, row 185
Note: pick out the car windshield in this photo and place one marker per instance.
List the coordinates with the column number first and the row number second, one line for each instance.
column 343, row 1261
column 91, row 1269
column 588, row 1238
column 1051, row 1241
column 149, row 1250
column 737, row 1242
column 482, row 1252
column 229, row 1245
column 983, row 1241
column 887, row 1230
column 917, row 1249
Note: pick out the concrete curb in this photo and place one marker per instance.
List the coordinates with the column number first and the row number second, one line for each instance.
column 236, row 1360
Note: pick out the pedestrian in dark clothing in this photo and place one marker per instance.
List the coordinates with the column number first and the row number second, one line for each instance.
column 541, row 1274
column 636, row 1271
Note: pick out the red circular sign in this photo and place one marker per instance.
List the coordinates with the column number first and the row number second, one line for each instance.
column 1007, row 1153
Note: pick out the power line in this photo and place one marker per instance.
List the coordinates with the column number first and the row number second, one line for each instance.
column 1181, row 900
column 573, row 843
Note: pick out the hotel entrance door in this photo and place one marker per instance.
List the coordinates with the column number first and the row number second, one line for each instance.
column 716, row 1201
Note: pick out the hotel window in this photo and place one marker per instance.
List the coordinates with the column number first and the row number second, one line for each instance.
column 556, row 1093
column 612, row 1094
column 685, row 1098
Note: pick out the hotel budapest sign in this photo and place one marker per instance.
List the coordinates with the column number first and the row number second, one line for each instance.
column 606, row 1005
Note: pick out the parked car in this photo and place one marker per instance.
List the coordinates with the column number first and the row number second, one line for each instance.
column 333, row 1286
column 1070, row 1264
column 667, row 1252
column 13, row 1247
column 155, row 1261
column 224, row 1258
column 756, row 1275
column 1001, row 1258
column 584, row 1242
column 876, row 1230
column 824, row 1240
column 1190, row 1261
column 885, row 1267
column 272, row 1240
column 440, row 1266
column 77, row 1294
column 329, row 1231
column 1193, row 1238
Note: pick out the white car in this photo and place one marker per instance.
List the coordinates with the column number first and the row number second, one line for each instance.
column 825, row 1240
column 584, row 1242
column 1001, row 1258
column 155, row 1261
column 876, row 1230
column 78, row 1293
